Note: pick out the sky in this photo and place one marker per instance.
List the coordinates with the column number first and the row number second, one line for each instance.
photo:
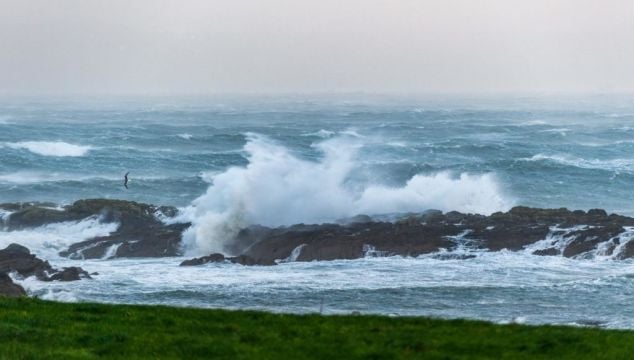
column 301, row 46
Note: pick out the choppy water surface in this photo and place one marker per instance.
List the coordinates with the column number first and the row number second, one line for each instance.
column 279, row 161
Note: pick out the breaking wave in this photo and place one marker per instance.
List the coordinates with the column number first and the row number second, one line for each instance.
column 277, row 188
column 48, row 240
column 51, row 148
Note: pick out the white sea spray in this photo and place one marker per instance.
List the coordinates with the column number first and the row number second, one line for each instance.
column 278, row 188
column 48, row 240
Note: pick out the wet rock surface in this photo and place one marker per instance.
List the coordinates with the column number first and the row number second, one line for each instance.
column 9, row 288
column 152, row 240
column 217, row 258
column 129, row 214
column 546, row 232
column 140, row 232
column 577, row 234
column 18, row 259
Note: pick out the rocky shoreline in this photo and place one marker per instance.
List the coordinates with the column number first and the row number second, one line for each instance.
column 142, row 233
column 17, row 259
column 554, row 232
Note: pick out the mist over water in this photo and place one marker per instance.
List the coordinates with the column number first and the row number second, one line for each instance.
column 228, row 163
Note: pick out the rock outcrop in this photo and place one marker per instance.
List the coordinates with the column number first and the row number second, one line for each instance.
column 140, row 232
column 129, row 214
column 556, row 231
column 546, row 232
column 217, row 258
column 153, row 240
column 9, row 288
column 17, row 258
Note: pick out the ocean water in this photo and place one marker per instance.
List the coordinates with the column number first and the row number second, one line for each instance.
column 228, row 162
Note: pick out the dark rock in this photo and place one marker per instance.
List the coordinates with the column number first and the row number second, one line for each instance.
column 204, row 260
column 588, row 239
column 70, row 274
column 35, row 216
column 450, row 256
column 627, row 251
column 432, row 231
column 140, row 232
column 408, row 237
column 431, row 216
column 547, row 252
column 597, row 213
column 241, row 259
column 129, row 214
column 247, row 260
column 21, row 206
column 149, row 241
column 511, row 236
column 17, row 249
column 9, row 288
column 17, row 258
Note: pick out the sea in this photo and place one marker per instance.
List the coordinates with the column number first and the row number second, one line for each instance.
column 229, row 161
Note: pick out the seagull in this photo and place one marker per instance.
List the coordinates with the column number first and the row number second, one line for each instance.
column 125, row 180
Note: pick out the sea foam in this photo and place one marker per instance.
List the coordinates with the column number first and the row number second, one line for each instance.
column 51, row 148
column 277, row 188
column 48, row 240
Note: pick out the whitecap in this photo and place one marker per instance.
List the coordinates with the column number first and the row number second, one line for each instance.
column 27, row 177
column 533, row 123
column 51, row 148
column 321, row 133
column 185, row 136
column 617, row 165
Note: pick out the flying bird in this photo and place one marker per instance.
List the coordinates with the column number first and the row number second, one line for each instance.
column 125, row 180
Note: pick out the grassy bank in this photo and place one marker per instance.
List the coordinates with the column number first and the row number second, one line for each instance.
column 38, row 329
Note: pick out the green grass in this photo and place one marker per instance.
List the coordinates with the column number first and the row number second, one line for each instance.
column 31, row 328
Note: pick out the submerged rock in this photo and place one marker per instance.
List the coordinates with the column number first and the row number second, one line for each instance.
column 204, row 260
column 547, row 252
column 450, row 256
column 216, row 258
column 69, row 274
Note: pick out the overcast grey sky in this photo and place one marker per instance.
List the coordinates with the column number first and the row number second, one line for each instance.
column 216, row 46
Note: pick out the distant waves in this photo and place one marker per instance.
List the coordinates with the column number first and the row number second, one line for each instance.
column 51, row 148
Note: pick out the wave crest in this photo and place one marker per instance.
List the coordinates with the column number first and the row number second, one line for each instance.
column 51, row 148
column 612, row 165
